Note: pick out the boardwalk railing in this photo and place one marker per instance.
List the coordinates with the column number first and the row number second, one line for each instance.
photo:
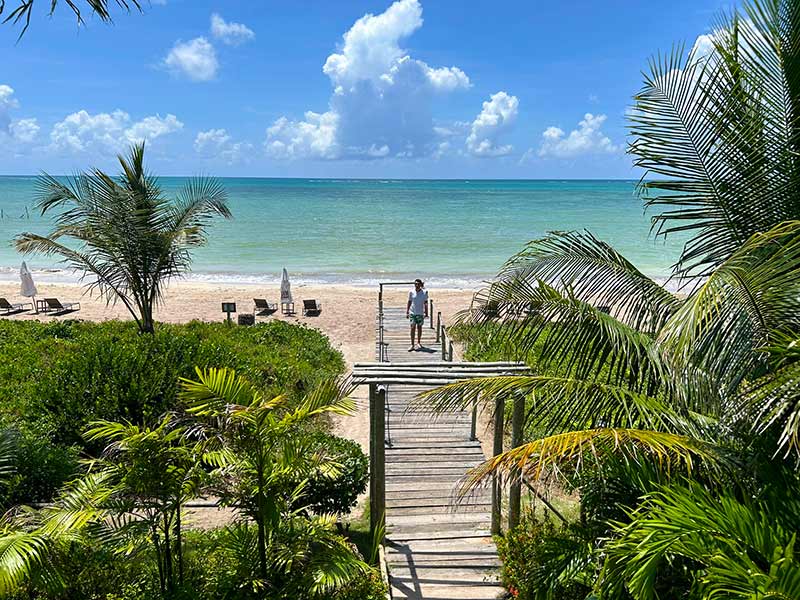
column 381, row 375
column 381, row 352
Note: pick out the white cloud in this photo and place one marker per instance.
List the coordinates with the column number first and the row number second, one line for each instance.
column 496, row 118
column 7, row 102
column 213, row 138
column 24, row 130
column 232, row 34
column 315, row 136
column 195, row 59
column 586, row 139
column 382, row 97
column 217, row 143
column 108, row 132
column 152, row 127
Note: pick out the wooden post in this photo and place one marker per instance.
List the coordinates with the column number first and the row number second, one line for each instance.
column 377, row 454
column 438, row 325
column 450, row 351
column 473, row 428
column 514, row 495
column 444, row 344
column 430, row 312
column 497, row 496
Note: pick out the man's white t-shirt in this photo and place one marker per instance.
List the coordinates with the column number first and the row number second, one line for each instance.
column 418, row 300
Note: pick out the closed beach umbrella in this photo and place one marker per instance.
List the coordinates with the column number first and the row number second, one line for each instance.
column 27, row 289
column 286, row 288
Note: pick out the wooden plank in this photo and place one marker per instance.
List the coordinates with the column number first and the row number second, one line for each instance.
column 437, row 545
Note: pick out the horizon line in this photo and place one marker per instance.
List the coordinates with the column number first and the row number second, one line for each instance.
column 363, row 178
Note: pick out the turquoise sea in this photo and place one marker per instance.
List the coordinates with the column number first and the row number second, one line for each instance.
column 451, row 232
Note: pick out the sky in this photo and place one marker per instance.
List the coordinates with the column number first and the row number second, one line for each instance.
column 462, row 89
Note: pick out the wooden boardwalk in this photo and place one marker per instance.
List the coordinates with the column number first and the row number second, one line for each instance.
column 434, row 548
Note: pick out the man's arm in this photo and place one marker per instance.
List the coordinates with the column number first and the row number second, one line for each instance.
column 427, row 303
column 408, row 306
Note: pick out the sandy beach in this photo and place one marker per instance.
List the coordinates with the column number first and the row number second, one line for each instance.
column 348, row 317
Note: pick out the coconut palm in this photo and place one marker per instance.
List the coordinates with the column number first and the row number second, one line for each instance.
column 701, row 390
column 99, row 8
column 123, row 234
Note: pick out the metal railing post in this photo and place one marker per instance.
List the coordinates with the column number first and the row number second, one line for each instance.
column 497, row 497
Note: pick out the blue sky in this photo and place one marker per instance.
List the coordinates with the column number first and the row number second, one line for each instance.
column 415, row 88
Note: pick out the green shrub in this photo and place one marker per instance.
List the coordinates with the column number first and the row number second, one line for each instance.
column 338, row 495
column 59, row 376
column 39, row 469
column 536, row 554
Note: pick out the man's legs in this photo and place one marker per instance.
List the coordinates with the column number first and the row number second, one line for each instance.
column 419, row 335
column 412, row 336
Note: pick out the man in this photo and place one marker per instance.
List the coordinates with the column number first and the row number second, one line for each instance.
column 417, row 311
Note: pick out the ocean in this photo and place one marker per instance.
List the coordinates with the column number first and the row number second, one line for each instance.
column 452, row 233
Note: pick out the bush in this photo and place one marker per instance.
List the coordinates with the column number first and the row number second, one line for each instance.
column 214, row 570
column 56, row 377
column 59, row 376
column 39, row 469
column 533, row 556
column 338, row 495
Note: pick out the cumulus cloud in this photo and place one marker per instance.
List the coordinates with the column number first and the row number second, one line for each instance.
column 382, row 97
column 496, row 118
column 586, row 139
column 84, row 132
column 7, row 102
column 24, row 130
column 217, row 143
column 232, row 34
column 195, row 59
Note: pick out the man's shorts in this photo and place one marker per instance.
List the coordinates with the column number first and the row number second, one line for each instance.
column 417, row 319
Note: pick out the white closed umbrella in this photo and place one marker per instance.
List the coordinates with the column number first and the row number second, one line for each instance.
column 286, row 292
column 27, row 289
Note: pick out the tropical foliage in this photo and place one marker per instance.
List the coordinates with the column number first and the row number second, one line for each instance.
column 675, row 417
column 123, row 234
column 58, row 377
column 250, row 450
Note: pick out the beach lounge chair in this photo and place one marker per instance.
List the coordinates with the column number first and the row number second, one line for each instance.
column 262, row 308
column 55, row 306
column 311, row 308
column 7, row 308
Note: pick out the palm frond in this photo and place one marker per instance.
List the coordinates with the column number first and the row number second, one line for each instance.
column 717, row 136
column 21, row 553
column 742, row 548
column 562, row 404
column 537, row 458
column 594, row 272
column 720, row 333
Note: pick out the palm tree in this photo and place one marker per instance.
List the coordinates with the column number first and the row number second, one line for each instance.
column 698, row 395
column 124, row 234
column 259, row 451
column 98, row 8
